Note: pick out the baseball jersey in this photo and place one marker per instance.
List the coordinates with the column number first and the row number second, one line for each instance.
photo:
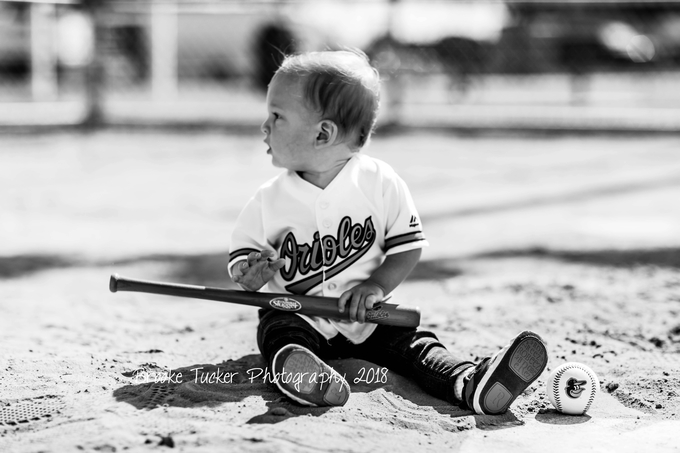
column 332, row 239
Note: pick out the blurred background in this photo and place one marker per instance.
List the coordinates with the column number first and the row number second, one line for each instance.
column 539, row 140
column 190, row 77
column 572, row 65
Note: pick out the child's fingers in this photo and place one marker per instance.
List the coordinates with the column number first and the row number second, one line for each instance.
column 361, row 313
column 342, row 301
column 269, row 268
column 354, row 306
column 277, row 265
column 253, row 257
column 268, row 254
column 239, row 269
column 244, row 282
column 262, row 268
column 370, row 301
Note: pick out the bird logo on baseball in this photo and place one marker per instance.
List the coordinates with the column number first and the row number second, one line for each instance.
column 572, row 387
column 575, row 387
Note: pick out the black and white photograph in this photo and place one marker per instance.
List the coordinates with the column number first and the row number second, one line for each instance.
column 340, row 225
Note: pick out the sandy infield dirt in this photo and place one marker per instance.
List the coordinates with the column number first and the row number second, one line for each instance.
column 576, row 238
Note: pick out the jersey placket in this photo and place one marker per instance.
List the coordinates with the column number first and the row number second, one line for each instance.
column 325, row 224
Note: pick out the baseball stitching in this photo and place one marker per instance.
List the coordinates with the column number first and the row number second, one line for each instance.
column 593, row 391
column 556, row 387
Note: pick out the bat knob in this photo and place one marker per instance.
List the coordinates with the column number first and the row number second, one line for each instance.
column 113, row 283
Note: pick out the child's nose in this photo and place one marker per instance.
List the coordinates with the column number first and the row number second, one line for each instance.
column 265, row 127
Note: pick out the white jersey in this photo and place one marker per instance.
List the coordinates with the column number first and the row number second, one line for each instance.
column 332, row 239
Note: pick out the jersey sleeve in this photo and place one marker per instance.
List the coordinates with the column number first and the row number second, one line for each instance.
column 404, row 229
column 248, row 234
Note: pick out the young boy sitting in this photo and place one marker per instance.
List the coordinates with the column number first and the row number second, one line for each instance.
column 338, row 223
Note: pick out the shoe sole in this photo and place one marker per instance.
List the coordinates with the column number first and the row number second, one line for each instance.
column 318, row 384
column 527, row 358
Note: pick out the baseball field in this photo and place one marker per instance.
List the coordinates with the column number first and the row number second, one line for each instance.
column 574, row 237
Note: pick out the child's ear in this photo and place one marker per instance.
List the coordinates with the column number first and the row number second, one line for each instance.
column 326, row 133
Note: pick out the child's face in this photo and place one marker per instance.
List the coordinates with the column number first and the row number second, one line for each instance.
column 290, row 127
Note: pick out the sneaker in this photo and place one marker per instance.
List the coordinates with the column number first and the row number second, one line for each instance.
column 306, row 379
column 493, row 384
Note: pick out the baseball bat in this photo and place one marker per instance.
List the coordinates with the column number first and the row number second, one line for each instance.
column 325, row 307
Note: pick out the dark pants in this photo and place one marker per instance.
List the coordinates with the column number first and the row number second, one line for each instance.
column 415, row 354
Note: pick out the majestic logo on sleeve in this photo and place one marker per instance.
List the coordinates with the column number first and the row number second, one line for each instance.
column 349, row 245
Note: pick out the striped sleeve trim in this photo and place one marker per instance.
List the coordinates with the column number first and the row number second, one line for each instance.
column 404, row 239
column 240, row 252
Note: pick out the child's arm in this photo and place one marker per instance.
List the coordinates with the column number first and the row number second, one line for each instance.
column 254, row 272
column 383, row 281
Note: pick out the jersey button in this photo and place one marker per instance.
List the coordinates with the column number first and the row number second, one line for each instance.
column 327, row 223
column 323, row 205
column 332, row 286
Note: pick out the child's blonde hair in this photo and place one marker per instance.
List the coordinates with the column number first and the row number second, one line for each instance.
column 342, row 87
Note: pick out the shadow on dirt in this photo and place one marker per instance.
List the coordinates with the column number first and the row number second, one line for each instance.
column 210, row 269
column 553, row 417
column 661, row 257
column 438, row 269
column 212, row 385
column 200, row 269
column 548, row 200
column 20, row 265
column 196, row 385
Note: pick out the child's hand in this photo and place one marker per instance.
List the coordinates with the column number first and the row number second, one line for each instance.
column 253, row 273
column 361, row 298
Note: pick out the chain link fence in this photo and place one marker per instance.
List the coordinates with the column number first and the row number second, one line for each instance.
column 527, row 64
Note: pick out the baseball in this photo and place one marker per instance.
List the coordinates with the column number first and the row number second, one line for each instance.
column 572, row 387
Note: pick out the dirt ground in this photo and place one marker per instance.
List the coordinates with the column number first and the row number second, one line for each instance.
column 576, row 238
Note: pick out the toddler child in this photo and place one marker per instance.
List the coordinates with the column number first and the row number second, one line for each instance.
column 338, row 223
